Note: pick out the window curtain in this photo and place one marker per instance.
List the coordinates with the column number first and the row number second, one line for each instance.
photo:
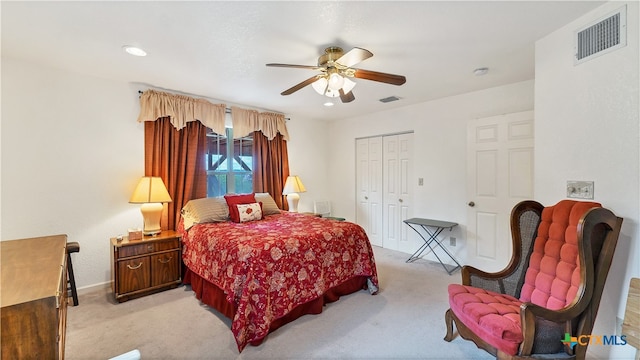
column 175, row 145
column 181, row 110
column 271, row 166
column 270, row 156
column 178, row 157
column 247, row 121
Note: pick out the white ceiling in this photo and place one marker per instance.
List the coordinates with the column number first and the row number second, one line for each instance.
column 218, row 49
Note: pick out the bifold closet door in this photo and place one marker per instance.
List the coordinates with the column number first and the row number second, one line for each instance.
column 369, row 187
column 397, row 172
column 384, row 189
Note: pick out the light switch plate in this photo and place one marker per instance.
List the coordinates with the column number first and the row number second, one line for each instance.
column 580, row 189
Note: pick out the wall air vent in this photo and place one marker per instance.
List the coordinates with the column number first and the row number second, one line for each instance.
column 602, row 36
column 389, row 99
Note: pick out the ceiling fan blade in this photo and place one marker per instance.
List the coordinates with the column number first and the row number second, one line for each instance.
column 296, row 66
column 348, row 97
column 381, row 77
column 299, row 86
column 354, row 56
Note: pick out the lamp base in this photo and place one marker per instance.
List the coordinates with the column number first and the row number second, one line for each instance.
column 292, row 200
column 151, row 214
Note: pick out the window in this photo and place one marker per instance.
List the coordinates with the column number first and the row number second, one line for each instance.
column 229, row 164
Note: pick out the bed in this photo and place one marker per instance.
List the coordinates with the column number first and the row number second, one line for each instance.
column 269, row 271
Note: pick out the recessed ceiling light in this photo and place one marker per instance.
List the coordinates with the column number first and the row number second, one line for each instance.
column 136, row 51
column 480, row 71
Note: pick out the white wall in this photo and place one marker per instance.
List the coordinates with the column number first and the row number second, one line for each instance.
column 440, row 132
column 72, row 153
column 587, row 128
column 308, row 158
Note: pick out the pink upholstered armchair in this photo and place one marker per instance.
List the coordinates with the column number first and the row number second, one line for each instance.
column 551, row 287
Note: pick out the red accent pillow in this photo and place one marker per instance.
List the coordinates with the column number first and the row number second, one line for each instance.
column 235, row 199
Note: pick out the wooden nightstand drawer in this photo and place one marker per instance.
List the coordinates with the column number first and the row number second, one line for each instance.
column 133, row 250
column 167, row 245
column 134, row 274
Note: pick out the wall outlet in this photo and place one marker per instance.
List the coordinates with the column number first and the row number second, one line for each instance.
column 580, row 189
column 452, row 241
column 420, row 181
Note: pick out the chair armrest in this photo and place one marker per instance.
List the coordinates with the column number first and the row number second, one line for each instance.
column 528, row 314
column 468, row 270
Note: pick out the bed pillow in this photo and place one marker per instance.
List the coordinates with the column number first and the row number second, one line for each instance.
column 249, row 212
column 198, row 211
column 269, row 206
column 237, row 199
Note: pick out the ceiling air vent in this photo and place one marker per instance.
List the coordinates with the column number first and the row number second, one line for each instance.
column 602, row 36
column 389, row 99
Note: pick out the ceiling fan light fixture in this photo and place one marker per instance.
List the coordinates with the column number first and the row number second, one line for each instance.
column 320, row 85
column 348, row 85
column 336, row 81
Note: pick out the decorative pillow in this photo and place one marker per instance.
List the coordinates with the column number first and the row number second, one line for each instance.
column 250, row 212
column 237, row 199
column 269, row 206
column 212, row 209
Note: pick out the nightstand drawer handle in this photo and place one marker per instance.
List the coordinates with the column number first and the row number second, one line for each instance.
column 166, row 261
column 134, row 267
column 149, row 247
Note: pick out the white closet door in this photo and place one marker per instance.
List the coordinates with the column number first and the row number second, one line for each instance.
column 397, row 185
column 369, row 187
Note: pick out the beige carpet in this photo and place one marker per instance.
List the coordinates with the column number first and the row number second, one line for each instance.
column 404, row 321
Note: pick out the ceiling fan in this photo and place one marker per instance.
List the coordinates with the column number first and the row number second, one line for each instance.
column 335, row 68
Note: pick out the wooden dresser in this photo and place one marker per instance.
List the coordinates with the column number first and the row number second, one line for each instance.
column 34, row 297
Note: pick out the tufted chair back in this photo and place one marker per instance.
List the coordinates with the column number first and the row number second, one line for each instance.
column 553, row 276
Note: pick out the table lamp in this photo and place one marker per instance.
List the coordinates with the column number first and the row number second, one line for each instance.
column 292, row 187
column 151, row 193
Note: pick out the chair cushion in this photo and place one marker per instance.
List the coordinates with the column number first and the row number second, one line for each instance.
column 493, row 317
column 553, row 276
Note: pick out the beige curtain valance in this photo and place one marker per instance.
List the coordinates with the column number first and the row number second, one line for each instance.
column 247, row 121
column 181, row 110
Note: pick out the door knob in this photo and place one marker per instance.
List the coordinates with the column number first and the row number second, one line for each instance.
column 366, row 198
column 400, row 200
column 471, row 203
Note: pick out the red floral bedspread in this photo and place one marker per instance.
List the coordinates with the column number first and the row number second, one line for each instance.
column 268, row 267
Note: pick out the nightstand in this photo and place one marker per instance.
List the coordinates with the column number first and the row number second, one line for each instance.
column 145, row 266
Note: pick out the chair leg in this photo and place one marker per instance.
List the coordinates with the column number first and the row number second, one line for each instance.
column 72, row 280
column 448, row 319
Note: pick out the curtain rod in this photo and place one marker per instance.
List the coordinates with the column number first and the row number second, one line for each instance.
column 226, row 109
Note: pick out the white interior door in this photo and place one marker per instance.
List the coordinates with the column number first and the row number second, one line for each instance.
column 499, row 175
column 369, row 187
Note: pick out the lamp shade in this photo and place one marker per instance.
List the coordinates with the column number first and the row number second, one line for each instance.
column 150, row 190
column 293, row 185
